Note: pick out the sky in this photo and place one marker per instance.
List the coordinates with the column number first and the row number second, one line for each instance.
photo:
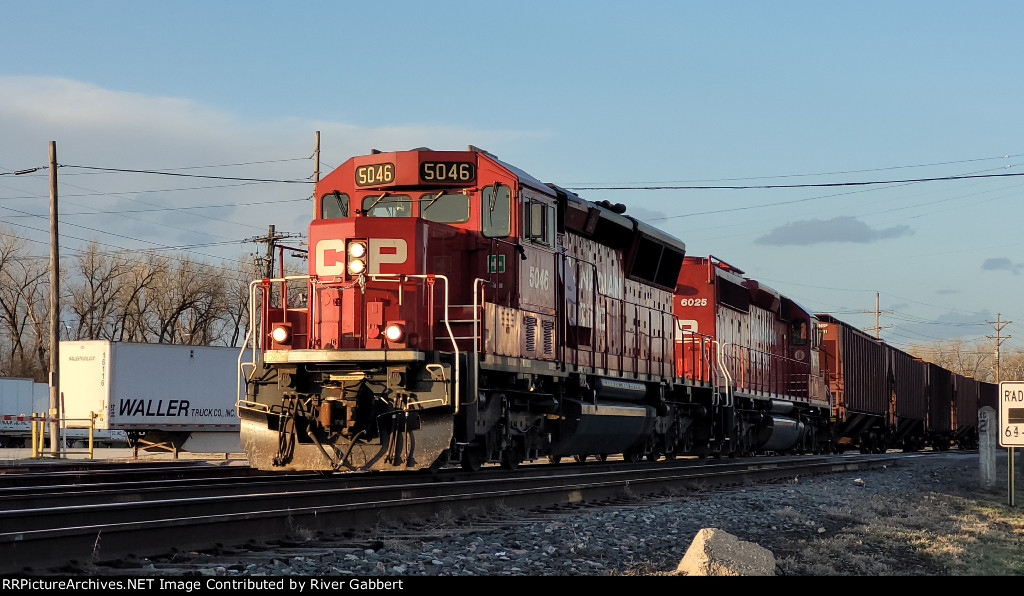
column 835, row 151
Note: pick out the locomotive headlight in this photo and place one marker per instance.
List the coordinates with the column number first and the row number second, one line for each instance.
column 394, row 333
column 356, row 257
column 356, row 266
column 281, row 334
column 356, row 250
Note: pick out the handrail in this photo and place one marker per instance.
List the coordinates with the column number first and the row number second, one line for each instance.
column 477, row 348
column 253, row 340
column 430, row 277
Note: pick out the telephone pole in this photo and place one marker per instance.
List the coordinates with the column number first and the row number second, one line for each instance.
column 271, row 239
column 316, row 159
column 316, row 171
column 998, row 324
column 877, row 312
column 54, row 309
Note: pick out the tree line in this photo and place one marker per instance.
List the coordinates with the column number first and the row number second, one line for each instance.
column 150, row 298
column 975, row 359
column 129, row 297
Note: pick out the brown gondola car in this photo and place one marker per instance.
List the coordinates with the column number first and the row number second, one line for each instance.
column 988, row 395
column 966, row 397
column 939, row 425
column 908, row 377
column 855, row 366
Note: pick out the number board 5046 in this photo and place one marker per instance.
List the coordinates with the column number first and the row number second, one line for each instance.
column 448, row 172
column 374, row 174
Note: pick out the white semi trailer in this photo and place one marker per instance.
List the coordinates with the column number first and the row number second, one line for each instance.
column 165, row 397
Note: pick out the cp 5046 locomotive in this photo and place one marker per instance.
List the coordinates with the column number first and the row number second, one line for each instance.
column 459, row 311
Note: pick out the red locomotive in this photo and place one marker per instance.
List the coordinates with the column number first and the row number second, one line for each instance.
column 459, row 311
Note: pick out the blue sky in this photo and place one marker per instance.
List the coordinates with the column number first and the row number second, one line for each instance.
column 584, row 94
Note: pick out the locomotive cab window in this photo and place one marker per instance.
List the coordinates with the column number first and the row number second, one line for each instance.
column 387, row 205
column 800, row 333
column 539, row 223
column 445, row 207
column 333, row 205
column 496, row 211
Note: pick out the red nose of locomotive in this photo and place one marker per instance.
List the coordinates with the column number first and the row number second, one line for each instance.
column 363, row 297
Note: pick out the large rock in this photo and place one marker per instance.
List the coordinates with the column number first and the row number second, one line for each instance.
column 715, row 552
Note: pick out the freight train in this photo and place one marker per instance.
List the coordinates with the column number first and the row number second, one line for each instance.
column 457, row 312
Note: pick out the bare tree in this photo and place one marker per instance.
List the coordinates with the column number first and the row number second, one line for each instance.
column 133, row 304
column 120, row 297
column 24, row 284
column 97, row 280
column 191, row 300
column 970, row 359
column 236, row 314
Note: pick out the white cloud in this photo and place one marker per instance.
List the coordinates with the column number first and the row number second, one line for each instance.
column 837, row 229
column 104, row 128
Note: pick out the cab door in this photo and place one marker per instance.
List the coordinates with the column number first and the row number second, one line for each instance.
column 538, row 278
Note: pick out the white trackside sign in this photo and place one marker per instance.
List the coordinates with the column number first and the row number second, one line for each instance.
column 1011, row 414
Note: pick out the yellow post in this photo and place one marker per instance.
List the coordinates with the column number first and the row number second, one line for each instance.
column 35, row 443
column 42, row 436
column 92, row 425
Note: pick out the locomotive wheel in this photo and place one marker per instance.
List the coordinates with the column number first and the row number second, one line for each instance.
column 631, row 457
column 554, row 458
column 510, row 459
column 603, row 457
column 472, row 459
column 580, row 458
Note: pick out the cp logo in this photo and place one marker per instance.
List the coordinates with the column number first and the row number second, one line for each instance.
column 330, row 255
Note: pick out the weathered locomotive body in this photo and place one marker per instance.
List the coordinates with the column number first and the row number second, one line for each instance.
column 460, row 310
column 758, row 350
column 457, row 310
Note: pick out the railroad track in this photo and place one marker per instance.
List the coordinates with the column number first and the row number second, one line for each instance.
column 55, row 529
column 69, row 472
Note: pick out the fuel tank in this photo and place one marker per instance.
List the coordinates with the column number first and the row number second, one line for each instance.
column 602, row 427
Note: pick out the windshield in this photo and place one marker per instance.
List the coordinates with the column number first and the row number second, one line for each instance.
column 387, row 205
column 495, row 210
column 333, row 205
column 445, row 207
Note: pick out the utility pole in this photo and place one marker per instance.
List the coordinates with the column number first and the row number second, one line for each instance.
column 316, row 159
column 998, row 324
column 54, row 309
column 270, row 240
column 268, row 261
column 316, row 171
column 877, row 312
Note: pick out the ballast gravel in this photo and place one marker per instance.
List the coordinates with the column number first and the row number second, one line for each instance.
column 830, row 524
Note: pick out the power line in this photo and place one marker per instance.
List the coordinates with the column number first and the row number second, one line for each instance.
column 815, row 185
column 927, row 165
column 165, row 173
